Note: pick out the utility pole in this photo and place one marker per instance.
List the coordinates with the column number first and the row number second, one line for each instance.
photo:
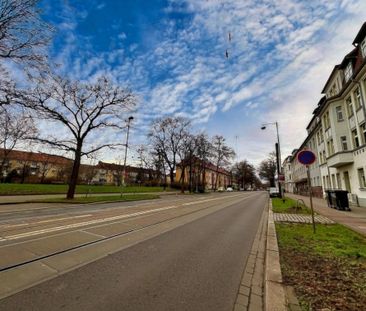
column 126, row 148
column 278, row 154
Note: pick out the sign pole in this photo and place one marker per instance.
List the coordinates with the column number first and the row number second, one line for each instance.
column 311, row 197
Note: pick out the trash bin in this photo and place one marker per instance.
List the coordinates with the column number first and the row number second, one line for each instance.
column 338, row 199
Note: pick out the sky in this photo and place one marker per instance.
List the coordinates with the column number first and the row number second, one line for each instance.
column 171, row 54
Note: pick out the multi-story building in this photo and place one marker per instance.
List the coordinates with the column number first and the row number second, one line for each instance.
column 337, row 131
column 203, row 175
column 32, row 167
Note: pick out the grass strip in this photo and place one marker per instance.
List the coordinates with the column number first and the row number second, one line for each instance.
column 100, row 199
column 288, row 206
column 327, row 269
column 25, row 189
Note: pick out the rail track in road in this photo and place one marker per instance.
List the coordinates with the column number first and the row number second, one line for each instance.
column 97, row 223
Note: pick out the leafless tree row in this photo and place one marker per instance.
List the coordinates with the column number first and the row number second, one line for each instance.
column 173, row 143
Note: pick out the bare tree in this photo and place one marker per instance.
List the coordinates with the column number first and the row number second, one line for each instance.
column 244, row 173
column 267, row 169
column 23, row 33
column 81, row 109
column 186, row 154
column 204, row 153
column 23, row 36
column 15, row 127
column 222, row 154
column 167, row 137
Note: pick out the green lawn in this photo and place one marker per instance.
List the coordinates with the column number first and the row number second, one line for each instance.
column 329, row 240
column 326, row 269
column 95, row 199
column 289, row 206
column 23, row 189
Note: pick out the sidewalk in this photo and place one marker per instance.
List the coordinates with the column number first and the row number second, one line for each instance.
column 355, row 219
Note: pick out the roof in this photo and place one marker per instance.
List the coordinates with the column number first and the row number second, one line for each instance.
column 36, row 157
column 360, row 35
column 336, row 67
column 317, row 109
column 119, row 167
column 350, row 56
column 208, row 165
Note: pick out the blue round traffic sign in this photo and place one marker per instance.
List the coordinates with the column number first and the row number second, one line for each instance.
column 306, row 157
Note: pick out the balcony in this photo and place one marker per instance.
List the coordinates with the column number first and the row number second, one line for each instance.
column 340, row 159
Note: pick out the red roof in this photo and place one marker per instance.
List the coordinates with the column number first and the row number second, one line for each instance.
column 35, row 157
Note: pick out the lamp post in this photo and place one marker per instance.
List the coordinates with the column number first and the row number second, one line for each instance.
column 278, row 154
column 126, row 148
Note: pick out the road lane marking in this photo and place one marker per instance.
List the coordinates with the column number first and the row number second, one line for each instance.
column 82, row 224
column 102, row 220
column 43, row 221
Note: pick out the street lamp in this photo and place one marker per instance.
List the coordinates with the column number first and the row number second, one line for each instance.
column 126, row 148
column 278, row 153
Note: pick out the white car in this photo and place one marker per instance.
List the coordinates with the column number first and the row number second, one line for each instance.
column 229, row 189
column 274, row 192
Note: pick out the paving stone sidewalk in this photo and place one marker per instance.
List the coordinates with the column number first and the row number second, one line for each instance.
column 251, row 291
column 299, row 218
column 355, row 219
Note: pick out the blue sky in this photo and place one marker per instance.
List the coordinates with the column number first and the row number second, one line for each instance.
column 172, row 55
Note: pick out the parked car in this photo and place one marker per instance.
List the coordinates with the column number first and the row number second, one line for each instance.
column 274, row 192
column 220, row 189
column 229, row 189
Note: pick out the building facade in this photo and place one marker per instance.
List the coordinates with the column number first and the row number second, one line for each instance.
column 32, row 167
column 202, row 175
column 337, row 131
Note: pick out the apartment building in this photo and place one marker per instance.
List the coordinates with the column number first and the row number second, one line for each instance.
column 337, row 131
column 203, row 174
column 32, row 167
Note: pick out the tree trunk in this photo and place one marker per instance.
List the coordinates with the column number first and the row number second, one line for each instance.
column 171, row 173
column 75, row 172
column 182, row 179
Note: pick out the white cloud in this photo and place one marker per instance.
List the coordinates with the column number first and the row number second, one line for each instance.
column 280, row 55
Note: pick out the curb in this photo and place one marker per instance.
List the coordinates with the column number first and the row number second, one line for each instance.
column 250, row 296
column 275, row 292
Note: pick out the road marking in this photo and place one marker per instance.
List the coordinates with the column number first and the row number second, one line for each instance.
column 82, row 224
column 43, row 221
column 96, row 221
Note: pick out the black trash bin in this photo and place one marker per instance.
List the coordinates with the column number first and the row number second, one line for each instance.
column 338, row 199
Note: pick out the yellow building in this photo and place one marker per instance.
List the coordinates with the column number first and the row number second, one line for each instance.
column 32, row 167
column 203, row 175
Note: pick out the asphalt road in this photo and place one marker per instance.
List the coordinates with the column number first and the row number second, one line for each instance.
column 197, row 266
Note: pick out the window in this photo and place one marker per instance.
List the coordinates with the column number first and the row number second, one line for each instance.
column 361, row 178
column 339, row 183
column 326, row 120
column 363, row 130
column 348, row 72
column 356, row 142
column 349, row 107
column 333, row 90
column 330, row 147
column 363, row 48
column 344, row 143
column 358, row 98
column 334, row 181
column 339, row 112
column 320, row 137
